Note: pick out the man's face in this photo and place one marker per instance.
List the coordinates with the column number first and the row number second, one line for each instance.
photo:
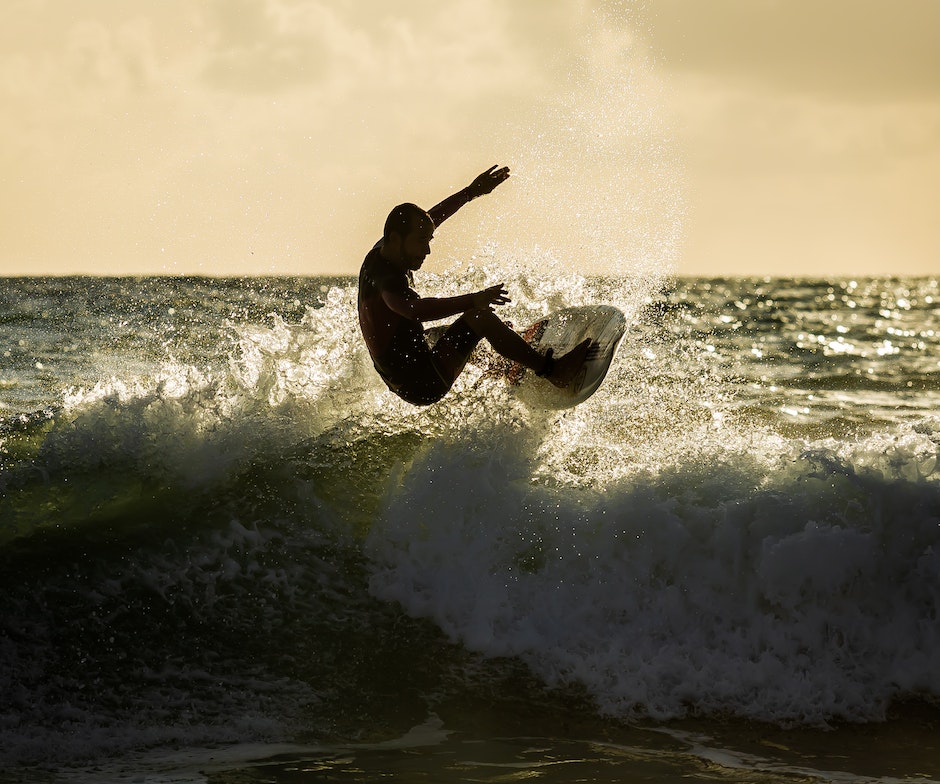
column 417, row 244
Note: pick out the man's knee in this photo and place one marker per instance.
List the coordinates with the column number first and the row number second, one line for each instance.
column 481, row 320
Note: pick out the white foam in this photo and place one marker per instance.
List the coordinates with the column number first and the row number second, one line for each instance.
column 792, row 586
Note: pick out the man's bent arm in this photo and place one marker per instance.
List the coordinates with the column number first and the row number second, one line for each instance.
column 434, row 308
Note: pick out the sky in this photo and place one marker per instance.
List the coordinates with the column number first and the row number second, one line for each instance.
column 256, row 137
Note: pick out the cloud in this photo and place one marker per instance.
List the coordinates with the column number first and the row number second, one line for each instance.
column 864, row 50
column 455, row 49
column 734, row 130
column 114, row 59
column 261, row 47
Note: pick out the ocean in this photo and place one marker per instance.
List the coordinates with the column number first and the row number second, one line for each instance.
column 228, row 554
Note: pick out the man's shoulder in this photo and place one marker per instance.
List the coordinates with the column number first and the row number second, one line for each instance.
column 374, row 259
column 381, row 273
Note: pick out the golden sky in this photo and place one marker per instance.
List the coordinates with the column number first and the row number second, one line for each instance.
column 229, row 137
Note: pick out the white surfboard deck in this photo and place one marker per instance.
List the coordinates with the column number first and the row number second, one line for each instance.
column 562, row 331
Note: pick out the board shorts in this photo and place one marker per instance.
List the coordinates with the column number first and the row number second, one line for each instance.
column 420, row 377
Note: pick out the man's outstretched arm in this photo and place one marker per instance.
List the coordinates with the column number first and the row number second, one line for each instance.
column 482, row 184
column 433, row 308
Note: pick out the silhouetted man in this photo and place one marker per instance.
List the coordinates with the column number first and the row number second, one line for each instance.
column 391, row 312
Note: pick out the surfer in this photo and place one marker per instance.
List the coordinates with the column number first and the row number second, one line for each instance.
column 391, row 312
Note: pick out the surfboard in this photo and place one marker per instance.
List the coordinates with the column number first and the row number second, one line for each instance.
column 562, row 331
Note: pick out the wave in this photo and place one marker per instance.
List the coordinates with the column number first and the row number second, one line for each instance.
column 799, row 589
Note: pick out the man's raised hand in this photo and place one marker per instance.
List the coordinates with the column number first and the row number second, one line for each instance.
column 485, row 182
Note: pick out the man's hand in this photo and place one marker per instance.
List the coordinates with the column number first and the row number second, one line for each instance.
column 494, row 295
column 485, row 182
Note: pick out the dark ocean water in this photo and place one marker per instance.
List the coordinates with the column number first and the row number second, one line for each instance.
column 228, row 554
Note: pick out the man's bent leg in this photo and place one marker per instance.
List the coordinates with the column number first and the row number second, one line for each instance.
column 503, row 338
column 452, row 350
column 513, row 346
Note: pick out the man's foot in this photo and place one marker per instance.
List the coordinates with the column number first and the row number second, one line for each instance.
column 565, row 368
